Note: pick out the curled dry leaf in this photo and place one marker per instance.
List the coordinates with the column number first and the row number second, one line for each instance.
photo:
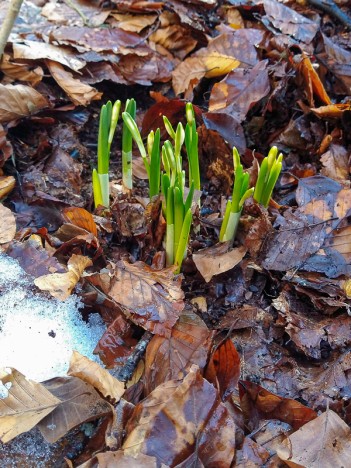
column 134, row 23
column 79, row 402
column 336, row 163
column 90, row 372
column 313, row 84
column 26, row 404
column 7, row 184
column 181, row 420
column 121, row 460
column 218, row 259
column 7, row 225
column 153, row 298
column 81, row 218
column 21, row 71
column 171, row 358
column 80, row 93
column 325, row 441
column 60, row 285
column 18, row 101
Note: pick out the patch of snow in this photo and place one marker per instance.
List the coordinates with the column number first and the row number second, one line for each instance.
column 38, row 334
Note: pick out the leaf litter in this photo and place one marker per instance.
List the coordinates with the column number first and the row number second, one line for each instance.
column 245, row 358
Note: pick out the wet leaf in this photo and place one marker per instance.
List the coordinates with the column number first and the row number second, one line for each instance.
column 8, row 225
column 179, row 419
column 153, row 298
column 26, row 404
column 240, row 90
column 134, row 23
column 257, row 402
column 217, row 259
column 251, row 454
column 120, row 459
column 80, row 93
column 313, row 85
column 93, row 374
column 171, row 358
column 223, row 369
column 336, row 163
column 176, row 39
column 21, row 71
column 34, row 259
column 18, row 101
column 79, row 402
column 60, row 285
column 333, row 111
column 325, row 441
column 288, row 21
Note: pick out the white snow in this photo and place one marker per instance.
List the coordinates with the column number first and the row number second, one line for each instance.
column 38, row 334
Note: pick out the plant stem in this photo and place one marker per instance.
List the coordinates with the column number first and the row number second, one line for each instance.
column 7, row 25
column 127, row 145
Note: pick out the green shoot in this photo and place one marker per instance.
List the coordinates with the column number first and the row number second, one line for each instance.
column 127, row 144
column 241, row 192
column 267, row 177
column 183, row 240
column 191, row 144
column 155, row 163
column 107, row 125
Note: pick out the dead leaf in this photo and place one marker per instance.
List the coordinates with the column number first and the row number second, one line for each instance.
column 79, row 402
column 26, row 404
column 217, row 259
column 7, row 225
column 133, row 23
column 223, row 369
column 90, row 372
column 336, row 163
column 81, row 218
column 18, row 101
column 60, row 285
column 313, row 84
column 325, row 441
column 153, row 298
column 333, row 111
column 21, row 71
column 258, row 403
column 240, row 90
column 80, row 93
column 176, row 39
column 33, row 50
column 171, row 358
column 180, row 419
column 7, row 184
column 121, row 460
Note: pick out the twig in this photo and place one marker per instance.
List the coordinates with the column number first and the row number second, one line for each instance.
column 330, row 7
column 7, row 25
column 125, row 373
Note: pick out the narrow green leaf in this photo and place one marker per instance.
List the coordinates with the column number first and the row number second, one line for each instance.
column 228, row 208
column 246, row 195
column 178, row 216
column 169, row 128
column 155, row 166
column 261, row 181
column 237, row 188
column 189, row 198
column 114, row 119
column 183, row 240
column 272, row 180
column 232, row 226
column 96, row 189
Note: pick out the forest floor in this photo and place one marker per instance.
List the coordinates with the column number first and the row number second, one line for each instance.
column 244, row 358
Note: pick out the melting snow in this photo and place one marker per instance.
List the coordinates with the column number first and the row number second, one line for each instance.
column 38, row 334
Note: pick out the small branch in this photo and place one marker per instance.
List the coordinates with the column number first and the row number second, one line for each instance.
column 330, row 7
column 7, row 25
column 125, row 373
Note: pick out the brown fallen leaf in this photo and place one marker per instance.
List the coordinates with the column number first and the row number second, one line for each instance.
column 7, row 184
column 80, row 93
column 26, row 404
column 79, row 402
column 21, row 71
column 171, row 358
column 325, row 441
column 181, row 420
column 18, row 101
column 154, row 299
column 33, row 50
column 60, row 285
column 333, row 111
column 133, row 23
column 217, row 259
column 313, row 84
column 121, row 460
column 90, row 372
column 258, row 403
column 7, row 225
column 336, row 163
column 81, row 218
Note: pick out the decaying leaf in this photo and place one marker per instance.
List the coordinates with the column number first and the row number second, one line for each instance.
column 60, row 285
column 18, row 101
column 7, row 184
column 21, row 71
column 218, row 259
column 182, row 419
column 171, row 358
column 81, row 218
column 120, row 459
column 325, row 441
column 90, row 372
column 154, row 298
column 79, row 402
column 80, row 93
column 7, row 225
column 26, row 404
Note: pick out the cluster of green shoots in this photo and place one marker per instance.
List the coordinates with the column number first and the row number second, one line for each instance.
column 163, row 166
column 167, row 178
column 262, row 192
